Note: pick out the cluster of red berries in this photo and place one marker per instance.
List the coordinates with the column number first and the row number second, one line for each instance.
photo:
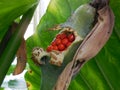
column 61, row 42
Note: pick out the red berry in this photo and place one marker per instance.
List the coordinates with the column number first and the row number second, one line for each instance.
column 61, row 47
column 53, row 43
column 63, row 35
column 55, row 48
column 65, row 41
column 71, row 37
column 58, row 41
column 68, row 44
column 58, row 36
column 49, row 48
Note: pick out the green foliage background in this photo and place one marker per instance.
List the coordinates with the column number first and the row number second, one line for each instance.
column 100, row 73
column 10, row 10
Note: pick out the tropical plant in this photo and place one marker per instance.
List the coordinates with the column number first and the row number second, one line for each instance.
column 100, row 73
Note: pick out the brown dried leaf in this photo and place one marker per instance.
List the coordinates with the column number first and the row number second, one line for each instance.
column 21, row 59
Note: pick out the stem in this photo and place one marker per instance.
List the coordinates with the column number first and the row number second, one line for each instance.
column 49, row 77
column 51, row 73
column 8, row 55
column 7, row 37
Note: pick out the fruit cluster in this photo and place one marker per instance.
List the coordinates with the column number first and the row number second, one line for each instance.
column 61, row 42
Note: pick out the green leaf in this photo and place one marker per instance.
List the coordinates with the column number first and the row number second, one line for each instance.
column 100, row 73
column 10, row 10
column 2, row 88
column 11, row 69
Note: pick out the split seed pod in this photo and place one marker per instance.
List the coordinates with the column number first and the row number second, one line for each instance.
column 91, row 45
column 87, row 43
column 72, row 33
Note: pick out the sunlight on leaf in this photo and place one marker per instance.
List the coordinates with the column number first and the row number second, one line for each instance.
column 10, row 10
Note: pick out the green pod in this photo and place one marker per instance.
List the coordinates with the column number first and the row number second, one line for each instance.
column 79, row 24
column 81, row 20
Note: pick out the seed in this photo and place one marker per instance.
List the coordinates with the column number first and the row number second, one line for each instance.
column 71, row 37
column 53, row 43
column 55, row 47
column 61, row 47
column 68, row 44
column 58, row 36
column 65, row 41
column 63, row 35
column 49, row 48
column 58, row 41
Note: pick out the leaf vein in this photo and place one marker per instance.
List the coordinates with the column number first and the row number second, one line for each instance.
column 84, row 79
column 104, row 75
